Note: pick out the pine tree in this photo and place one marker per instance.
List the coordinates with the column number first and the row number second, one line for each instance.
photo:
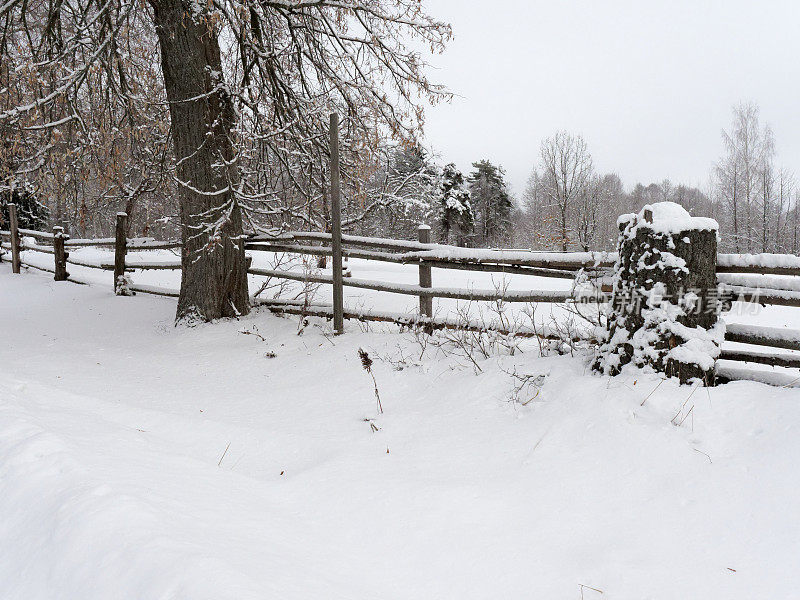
column 31, row 214
column 492, row 204
column 454, row 208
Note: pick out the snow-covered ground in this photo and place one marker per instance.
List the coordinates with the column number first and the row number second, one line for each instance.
column 139, row 461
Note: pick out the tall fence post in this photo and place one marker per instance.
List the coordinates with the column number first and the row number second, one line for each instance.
column 336, row 228
column 60, row 254
column 425, row 278
column 120, row 249
column 15, row 241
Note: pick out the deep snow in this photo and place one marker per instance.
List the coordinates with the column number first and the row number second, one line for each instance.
column 115, row 481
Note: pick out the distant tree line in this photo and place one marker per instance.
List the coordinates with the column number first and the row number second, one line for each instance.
column 567, row 205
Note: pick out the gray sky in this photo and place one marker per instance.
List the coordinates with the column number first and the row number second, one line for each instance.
column 648, row 84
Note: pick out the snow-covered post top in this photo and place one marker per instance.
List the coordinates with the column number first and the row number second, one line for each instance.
column 665, row 218
column 665, row 304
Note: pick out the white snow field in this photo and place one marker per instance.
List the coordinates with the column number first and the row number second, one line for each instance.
column 115, row 481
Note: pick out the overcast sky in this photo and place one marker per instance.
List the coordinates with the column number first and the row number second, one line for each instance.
column 648, row 84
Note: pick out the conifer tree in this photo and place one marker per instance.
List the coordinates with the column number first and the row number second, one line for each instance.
column 454, row 208
column 492, row 204
column 31, row 214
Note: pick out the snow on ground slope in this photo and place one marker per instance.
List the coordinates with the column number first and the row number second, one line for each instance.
column 115, row 481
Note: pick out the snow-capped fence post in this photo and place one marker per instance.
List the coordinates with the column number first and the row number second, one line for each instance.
column 15, row 241
column 336, row 228
column 120, row 249
column 664, row 306
column 60, row 255
column 425, row 277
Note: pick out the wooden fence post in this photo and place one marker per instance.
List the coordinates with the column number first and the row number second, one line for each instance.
column 425, row 278
column 120, row 249
column 15, row 241
column 60, row 254
column 336, row 228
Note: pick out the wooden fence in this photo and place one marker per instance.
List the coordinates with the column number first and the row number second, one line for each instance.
column 765, row 278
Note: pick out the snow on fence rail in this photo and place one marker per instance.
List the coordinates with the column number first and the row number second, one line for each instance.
column 774, row 337
column 766, row 264
column 761, row 278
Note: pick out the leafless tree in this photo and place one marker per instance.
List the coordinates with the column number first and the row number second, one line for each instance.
column 566, row 172
column 743, row 175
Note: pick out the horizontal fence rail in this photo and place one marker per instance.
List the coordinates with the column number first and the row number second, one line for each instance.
column 416, row 258
column 407, row 252
column 774, row 337
column 764, row 358
column 765, row 264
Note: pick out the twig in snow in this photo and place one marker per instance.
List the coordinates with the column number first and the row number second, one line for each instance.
column 680, row 410
column 791, row 383
column 327, row 336
column 653, row 392
column 691, row 411
column 372, row 425
column 223, row 454
column 301, row 326
column 528, row 383
column 588, row 587
column 254, row 332
column 704, row 454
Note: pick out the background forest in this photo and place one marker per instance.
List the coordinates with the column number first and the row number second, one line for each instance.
column 103, row 144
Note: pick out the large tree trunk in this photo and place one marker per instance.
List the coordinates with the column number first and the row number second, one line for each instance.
column 214, row 282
